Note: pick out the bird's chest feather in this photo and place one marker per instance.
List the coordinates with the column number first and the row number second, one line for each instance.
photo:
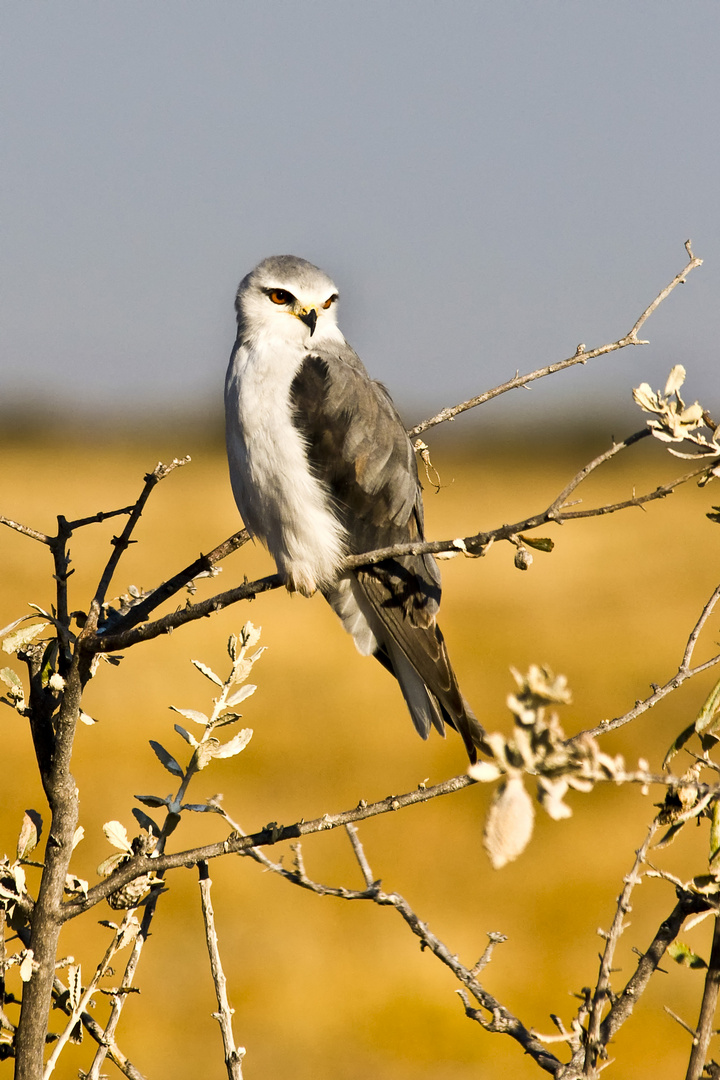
column 282, row 502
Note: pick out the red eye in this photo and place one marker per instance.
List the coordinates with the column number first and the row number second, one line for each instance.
column 280, row 296
column 329, row 301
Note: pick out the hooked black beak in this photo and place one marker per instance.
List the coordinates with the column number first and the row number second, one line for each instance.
column 310, row 319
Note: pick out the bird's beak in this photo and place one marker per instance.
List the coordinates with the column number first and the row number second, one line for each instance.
column 309, row 317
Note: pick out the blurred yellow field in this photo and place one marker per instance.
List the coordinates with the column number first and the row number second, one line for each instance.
column 327, row 988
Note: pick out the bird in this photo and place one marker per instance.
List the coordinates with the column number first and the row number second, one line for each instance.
column 321, row 468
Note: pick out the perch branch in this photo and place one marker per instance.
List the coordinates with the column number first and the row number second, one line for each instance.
column 126, row 633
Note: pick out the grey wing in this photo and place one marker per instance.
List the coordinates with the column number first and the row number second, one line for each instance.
column 358, row 448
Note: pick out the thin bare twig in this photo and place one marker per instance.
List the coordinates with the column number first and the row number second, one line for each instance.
column 96, row 1032
column 107, row 1038
column 233, row 1054
column 683, row 673
column 581, row 356
column 500, row 1020
column 688, row 904
column 83, row 1001
column 120, row 543
column 26, row 530
column 593, row 1048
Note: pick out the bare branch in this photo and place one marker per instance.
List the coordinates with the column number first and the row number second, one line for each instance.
column 684, row 673
column 26, row 530
column 688, row 904
column 271, row 834
column 581, row 356
column 233, row 1054
column 120, row 543
column 702, row 1036
column 602, row 993
column 500, row 1020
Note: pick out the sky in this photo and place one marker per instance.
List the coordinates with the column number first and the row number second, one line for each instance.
column 488, row 184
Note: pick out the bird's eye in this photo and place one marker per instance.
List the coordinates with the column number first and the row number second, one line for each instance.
column 280, row 296
column 330, row 300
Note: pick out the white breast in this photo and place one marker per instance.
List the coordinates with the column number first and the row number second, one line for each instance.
column 280, row 500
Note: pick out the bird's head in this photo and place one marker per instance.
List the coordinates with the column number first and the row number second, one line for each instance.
column 289, row 298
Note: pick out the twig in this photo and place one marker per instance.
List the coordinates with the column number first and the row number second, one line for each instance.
column 121, row 542
column 118, row 998
column 688, row 904
column 683, row 673
column 83, row 1001
column 96, row 1032
column 581, row 356
column 704, row 1032
column 602, row 989
column 26, row 530
column 233, row 1054
column 501, row 1019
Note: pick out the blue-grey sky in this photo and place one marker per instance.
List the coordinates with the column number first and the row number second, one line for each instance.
column 489, row 184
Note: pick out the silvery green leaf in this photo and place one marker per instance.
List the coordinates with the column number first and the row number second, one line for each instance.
column 116, row 833
column 675, row 380
column 240, row 695
column 11, row 679
column 540, row 543
column 192, row 714
column 29, row 833
column 202, row 808
column 250, row 635
column 166, row 759
column 645, row 398
column 550, row 796
column 112, row 862
column 154, row 800
column 669, row 836
column 708, row 719
column 11, row 626
column 683, row 954
column 186, row 735
column 714, row 862
column 19, row 878
column 227, row 718
column 208, row 673
column 509, row 823
column 76, row 886
column 678, row 743
column 234, row 746
column 145, row 822
column 19, row 638
column 26, row 967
